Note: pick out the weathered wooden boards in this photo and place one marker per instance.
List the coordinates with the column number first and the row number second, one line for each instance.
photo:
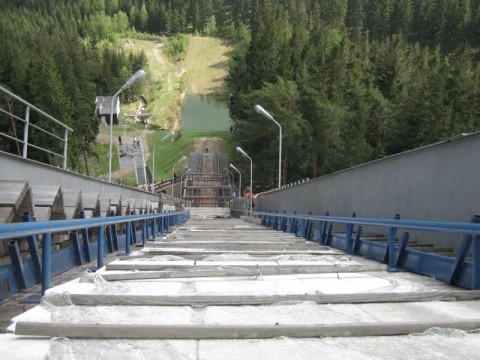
column 266, row 331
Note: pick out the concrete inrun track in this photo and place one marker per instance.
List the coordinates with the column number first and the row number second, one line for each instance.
column 218, row 288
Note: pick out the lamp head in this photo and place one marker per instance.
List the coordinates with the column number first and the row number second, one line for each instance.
column 137, row 76
column 262, row 111
column 233, row 167
column 180, row 160
column 240, row 150
column 170, row 133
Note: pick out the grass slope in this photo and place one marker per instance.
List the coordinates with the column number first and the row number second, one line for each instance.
column 202, row 72
column 206, row 65
column 167, row 153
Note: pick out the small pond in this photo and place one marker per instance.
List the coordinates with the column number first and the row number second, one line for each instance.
column 202, row 112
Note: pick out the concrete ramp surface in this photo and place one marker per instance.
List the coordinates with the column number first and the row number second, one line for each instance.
column 222, row 288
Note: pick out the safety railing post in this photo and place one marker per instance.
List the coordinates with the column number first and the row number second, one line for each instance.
column 476, row 263
column 65, row 149
column 86, row 241
column 356, row 242
column 293, row 224
column 392, row 232
column 322, row 230
column 329, row 234
column 133, row 230
column 113, row 230
column 144, row 231
column 283, row 220
column 128, row 236
column 276, row 221
column 308, row 228
column 32, row 247
column 162, row 223
column 14, row 252
column 348, row 236
column 401, row 250
column 100, row 246
column 46, row 262
column 153, row 224
column 25, row 132
column 462, row 252
column 79, row 259
column 108, row 231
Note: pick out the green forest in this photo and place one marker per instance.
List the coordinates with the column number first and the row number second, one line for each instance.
column 349, row 81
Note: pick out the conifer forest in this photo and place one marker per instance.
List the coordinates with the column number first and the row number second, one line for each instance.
column 349, row 81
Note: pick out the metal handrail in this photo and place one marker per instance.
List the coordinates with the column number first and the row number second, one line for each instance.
column 19, row 230
column 25, row 141
column 438, row 226
column 453, row 270
column 12, row 231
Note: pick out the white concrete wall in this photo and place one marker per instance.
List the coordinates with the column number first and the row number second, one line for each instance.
column 15, row 168
column 439, row 182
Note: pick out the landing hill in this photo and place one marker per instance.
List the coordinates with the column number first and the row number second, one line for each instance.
column 202, row 72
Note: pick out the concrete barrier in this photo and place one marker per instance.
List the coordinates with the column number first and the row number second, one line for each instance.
column 438, row 182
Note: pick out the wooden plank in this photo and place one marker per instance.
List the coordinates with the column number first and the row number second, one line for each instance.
column 71, row 212
column 12, row 193
column 148, row 331
column 105, row 206
column 217, row 252
column 234, row 246
column 43, row 213
column 45, row 195
column 89, row 214
column 71, row 197
column 260, row 266
column 223, row 300
column 7, row 214
column 131, row 206
column 173, row 273
column 91, row 202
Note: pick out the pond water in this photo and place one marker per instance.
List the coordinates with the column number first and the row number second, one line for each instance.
column 201, row 112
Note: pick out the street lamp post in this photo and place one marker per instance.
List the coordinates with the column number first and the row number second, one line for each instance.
column 239, row 149
column 170, row 133
column 181, row 183
column 173, row 169
column 240, row 179
column 137, row 76
column 262, row 111
column 233, row 181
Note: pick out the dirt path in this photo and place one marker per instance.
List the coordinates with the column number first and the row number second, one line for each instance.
column 213, row 144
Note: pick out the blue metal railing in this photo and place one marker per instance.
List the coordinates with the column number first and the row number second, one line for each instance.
column 454, row 270
column 159, row 222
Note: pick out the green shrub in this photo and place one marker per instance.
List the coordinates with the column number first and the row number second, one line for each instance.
column 176, row 47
